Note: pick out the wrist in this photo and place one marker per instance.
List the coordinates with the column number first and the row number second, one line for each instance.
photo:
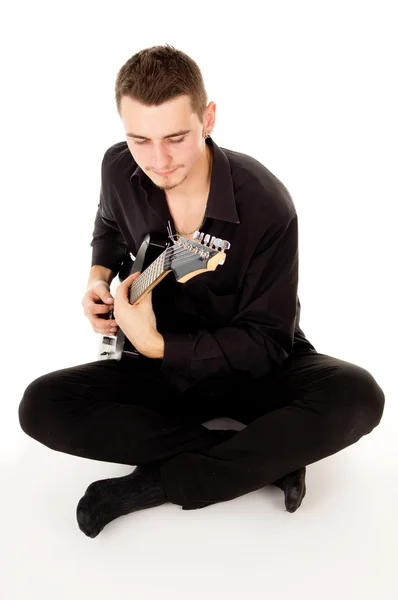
column 93, row 282
column 154, row 348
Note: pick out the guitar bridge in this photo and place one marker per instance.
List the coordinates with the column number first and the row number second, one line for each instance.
column 107, row 348
column 116, row 346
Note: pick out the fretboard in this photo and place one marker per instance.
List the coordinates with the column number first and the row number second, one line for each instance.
column 155, row 271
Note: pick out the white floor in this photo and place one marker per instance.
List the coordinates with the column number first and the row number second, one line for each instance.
column 341, row 543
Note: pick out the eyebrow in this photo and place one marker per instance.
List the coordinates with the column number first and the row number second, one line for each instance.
column 165, row 137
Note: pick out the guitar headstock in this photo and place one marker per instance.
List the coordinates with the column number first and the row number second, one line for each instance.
column 187, row 258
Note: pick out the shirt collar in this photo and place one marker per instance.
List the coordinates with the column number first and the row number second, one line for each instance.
column 221, row 203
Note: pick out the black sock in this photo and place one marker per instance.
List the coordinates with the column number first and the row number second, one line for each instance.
column 107, row 499
column 294, row 488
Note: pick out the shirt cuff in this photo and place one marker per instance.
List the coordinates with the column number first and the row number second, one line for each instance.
column 178, row 353
column 101, row 256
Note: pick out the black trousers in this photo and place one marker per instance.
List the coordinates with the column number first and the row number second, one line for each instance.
column 126, row 412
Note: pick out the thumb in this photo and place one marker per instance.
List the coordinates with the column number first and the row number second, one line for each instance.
column 105, row 295
column 133, row 276
column 129, row 280
column 101, row 288
column 123, row 287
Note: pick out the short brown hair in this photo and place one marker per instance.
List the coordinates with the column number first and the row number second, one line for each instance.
column 158, row 74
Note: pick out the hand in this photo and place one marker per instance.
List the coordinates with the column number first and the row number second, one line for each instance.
column 97, row 307
column 138, row 322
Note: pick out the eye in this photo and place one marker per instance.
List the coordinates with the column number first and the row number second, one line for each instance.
column 172, row 141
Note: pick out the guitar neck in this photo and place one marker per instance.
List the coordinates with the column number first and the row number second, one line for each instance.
column 149, row 278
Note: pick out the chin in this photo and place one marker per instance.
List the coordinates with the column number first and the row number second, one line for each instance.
column 172, row 183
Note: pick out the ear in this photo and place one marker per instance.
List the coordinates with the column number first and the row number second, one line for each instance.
column 210, row 117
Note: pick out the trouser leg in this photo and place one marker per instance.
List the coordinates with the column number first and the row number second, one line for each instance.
column 313, row 407
column 114, row 411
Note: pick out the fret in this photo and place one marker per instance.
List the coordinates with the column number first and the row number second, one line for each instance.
column 134, row 291
column 159, row 265
column 145, row 280
column 148, row 276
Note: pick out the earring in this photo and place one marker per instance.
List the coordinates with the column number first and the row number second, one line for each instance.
column 206, row 135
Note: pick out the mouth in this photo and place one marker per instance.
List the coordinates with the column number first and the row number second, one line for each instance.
column 165, row 173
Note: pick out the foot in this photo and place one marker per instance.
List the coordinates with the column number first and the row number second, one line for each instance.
column 294, row 488
column 108, row 499
column 103, row 487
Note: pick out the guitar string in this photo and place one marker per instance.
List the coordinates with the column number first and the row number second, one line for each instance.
column 143, row 284
column 166, row 253
column 178, row 259
column 145, row 273
column 150, row 270
column 169, row 252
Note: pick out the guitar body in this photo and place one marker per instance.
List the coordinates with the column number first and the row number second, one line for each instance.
column 115, row 346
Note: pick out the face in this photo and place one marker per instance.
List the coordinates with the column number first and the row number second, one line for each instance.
column 155, row 151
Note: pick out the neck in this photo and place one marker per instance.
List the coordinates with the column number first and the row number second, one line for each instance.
column 150, row 277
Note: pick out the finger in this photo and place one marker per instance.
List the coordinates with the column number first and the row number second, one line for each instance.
column 104, row 327
column 106, row 333
column 98, row 309
column 133, row 275
column 102, row 321
column 91, row 313
column 130, row 278
column 128, row 281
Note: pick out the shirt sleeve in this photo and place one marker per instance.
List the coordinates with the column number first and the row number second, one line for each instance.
column 260, row 336
column 109, row 247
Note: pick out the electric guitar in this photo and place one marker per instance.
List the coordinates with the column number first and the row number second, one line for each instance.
column 155, row 259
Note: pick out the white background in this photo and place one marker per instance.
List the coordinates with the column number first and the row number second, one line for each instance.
column 307, row 88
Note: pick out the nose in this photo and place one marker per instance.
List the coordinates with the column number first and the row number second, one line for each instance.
column 161, row 160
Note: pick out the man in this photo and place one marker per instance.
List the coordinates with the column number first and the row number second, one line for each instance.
column 227, row 343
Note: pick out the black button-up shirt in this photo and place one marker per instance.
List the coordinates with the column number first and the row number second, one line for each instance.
column 240, row 320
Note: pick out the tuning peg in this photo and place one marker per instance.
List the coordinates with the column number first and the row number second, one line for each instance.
column 209, row 240
column 216, row 242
